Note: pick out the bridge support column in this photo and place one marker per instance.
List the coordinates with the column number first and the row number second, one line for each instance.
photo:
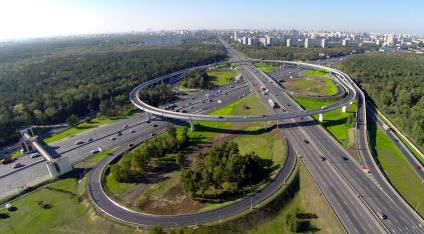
column 191, row 125
column 148, row 116
column 321, row 117
column 265, row 123
column 344, row 109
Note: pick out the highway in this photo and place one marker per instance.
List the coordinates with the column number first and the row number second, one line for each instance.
column 407, row 154
column 373, row 189
column 12, row 180
column 357, row 198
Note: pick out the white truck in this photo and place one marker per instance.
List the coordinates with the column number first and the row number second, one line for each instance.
column 272, row 103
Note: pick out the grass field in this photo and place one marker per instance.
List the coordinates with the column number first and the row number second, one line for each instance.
column 60, row 207
column 397, row 169
column 271, row 218
column 316, row 73
column 312, row 85
column 335, row 121
column 85, row 126
column 221, row 77
column 265, row 67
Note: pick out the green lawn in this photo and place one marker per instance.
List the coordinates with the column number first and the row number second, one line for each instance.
column 82, row 127
column 397, row 169
column 319, row 73
column 314, row 86
column 221, row 77
column 335, row 121
column 267, row 68
column 60, row 207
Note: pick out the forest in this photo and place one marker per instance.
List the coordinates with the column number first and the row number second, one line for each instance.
column 299, row 53
column 46, row 82
column 222, row 171
column 147, row 156
column 196, row 79
column 395, row 83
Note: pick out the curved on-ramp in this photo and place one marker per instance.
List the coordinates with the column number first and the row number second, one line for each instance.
column 106, row 205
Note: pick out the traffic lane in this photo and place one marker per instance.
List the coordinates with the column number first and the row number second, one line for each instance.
column 29, row 175
column 368, row 186
column 413, row 162
column 351, row 222
column 24, row 160
column 109, row 130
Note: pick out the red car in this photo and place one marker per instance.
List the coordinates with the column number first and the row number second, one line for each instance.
column 418, row 166
column 130, row 145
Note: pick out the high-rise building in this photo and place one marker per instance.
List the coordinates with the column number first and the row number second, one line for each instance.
column 289, row 44
column 250, row 41
column 263, row 41
column 307, row 42
column 235, row 36
column 390, row 40
column 244, row 39
column 323, row 43
column 268, row 40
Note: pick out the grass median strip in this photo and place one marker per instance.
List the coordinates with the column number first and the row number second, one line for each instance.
column 396, row 168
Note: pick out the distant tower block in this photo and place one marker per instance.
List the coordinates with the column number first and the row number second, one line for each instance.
column 321, row 117
column 343, row 108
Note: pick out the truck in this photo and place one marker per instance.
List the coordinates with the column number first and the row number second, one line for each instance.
column 272, row 103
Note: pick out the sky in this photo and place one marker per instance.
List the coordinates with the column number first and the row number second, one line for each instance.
column 41, row 18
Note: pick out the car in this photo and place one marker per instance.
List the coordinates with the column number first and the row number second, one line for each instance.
column 345, row 158
column 132, row 131
column 382, row 216
column 148, row 121
column 119, row 133
column 35, row 155
column 130, row 145
column 210, row 100
column 153, row 134
column 302, row 118
column 184, row 111
column 78, row 142
column 90, row 140
column 112, row 138
column 155, row 125
column 288, row 105
column 306, row 141
column 203, row 101
column 94, row 151
column 220, row 117
column 191, row 107
column 18, row 165
column 418, row 166
column 125, row 126
column 7, row 160
column 323, row 158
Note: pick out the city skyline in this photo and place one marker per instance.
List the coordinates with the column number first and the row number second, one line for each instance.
column 44, row 18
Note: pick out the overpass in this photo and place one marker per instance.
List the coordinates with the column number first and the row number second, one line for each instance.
column 151, row 110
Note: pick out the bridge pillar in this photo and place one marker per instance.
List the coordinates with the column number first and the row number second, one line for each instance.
column 321, row 117
column 344, row 109
column 265, row 123
column 191, row 125
column 148, row 116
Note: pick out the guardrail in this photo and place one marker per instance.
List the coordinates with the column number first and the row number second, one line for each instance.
column 135, row 99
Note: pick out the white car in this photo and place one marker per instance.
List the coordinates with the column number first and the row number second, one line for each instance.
column 78, row 142
column 34, row 155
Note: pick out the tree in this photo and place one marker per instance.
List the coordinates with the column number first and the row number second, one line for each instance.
column 72, row 120
column 156, row 230
column 179, row 159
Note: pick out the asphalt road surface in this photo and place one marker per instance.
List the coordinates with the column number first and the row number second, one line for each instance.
column 35, row 170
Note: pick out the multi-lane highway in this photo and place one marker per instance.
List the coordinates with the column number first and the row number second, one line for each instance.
column 363, row 202
column 35, row 170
